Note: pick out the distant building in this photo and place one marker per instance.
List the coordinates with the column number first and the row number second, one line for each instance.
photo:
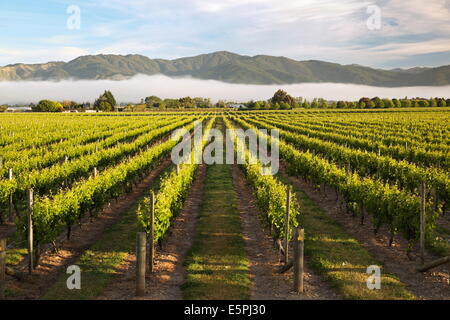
column 237, row 106
column 18, row 109
column 119, row 108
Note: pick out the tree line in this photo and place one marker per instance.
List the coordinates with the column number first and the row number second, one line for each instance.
column 282, row 100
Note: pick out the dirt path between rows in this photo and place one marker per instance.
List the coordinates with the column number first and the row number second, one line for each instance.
column 429, row 285
column 169, row 272
column 52, row 265
column 267, row 284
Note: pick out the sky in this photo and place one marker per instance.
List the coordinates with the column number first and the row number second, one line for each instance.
column 380, row 33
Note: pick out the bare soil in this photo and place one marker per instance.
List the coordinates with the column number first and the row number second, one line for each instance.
column 52, row 264
column 434, row 284
column 169, row 272
column 264, row 258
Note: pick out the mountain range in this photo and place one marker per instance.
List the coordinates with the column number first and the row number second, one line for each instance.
column 227, row 67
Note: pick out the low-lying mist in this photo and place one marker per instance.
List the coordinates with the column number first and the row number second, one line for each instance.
column 141, row 86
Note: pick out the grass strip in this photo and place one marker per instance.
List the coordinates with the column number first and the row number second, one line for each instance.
column 217, row 264
column 340, row 258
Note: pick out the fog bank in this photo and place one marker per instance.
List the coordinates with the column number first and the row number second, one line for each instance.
column 141, row 86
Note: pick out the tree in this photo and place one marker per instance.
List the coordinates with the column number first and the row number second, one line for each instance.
column 365, row 100
column 424, row 103
column 282, row 96
column 433, row 103
column 266, row 105
column 296, row 105
column 220, row 104
column 322, row 103
column 388, row 103
column 187, row 102
column 306, row 105
column 406, row 103
column 49, row 106
column 378, row 102
column 285, row 106
column 341, row 104
column 251, row 104
column 314, row 104
column 110, row 98
column 442, row 103
column 169, row 104
column 370, row 105
column 106, row 102
column 152, row 101
column 202, row 102
column 69, row 105
column 104, row 106
column 397, row 103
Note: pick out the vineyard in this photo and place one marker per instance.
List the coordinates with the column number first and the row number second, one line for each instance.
column 100, row 192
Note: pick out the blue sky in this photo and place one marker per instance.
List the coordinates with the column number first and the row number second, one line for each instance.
column 410, row 33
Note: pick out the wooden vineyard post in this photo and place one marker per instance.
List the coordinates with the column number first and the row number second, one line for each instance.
column 152, row 231
column 11, row 204
column 66, row 183
column 2, row 268
column 299, row 236
column 30, row 230
column 178, row 169
column 422, row 221
column 435, row 200
column 141, row 247
column 286, row 233
column 95, row 172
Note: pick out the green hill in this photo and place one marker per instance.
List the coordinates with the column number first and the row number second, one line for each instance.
column 227, row 67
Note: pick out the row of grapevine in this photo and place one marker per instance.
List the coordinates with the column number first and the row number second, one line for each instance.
column 417, row 155
column 52, row 214
column 50, row 179
column 172, row 192
column 20, row 133
column 405, row 174
column 270, row 193
column 383, row 136
column 26, row 160
column 387, row 204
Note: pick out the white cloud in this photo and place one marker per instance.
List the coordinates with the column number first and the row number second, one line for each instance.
column 30, row 55
column 415, row 17
column 103, row 30
column 301, row 29
column 141, row 86
column 412, row 48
